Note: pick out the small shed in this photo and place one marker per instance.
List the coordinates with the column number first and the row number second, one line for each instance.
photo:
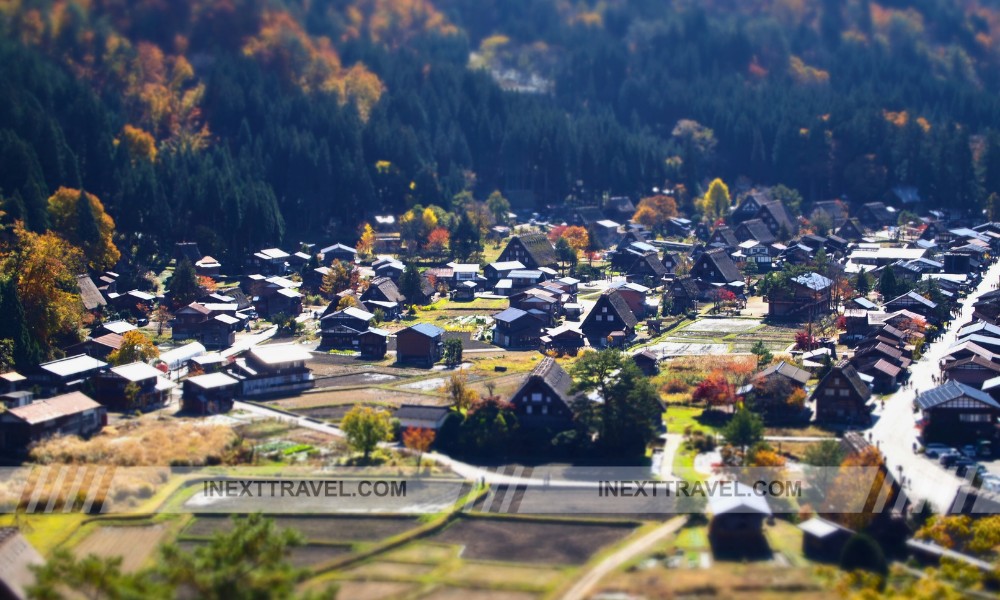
column 824, row 540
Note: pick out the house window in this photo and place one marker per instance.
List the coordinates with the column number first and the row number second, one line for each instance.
column 611, row 319
column 974, row 418
column 829, row 392
column 545, row 410
column 528, row 410
column 600, row 317
column 845, row 393
column 604, row 309
column 537, row 397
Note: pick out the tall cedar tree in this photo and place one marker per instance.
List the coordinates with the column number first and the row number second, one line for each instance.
column 183, row 284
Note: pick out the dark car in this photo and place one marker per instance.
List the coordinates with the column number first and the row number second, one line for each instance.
column 948, row 459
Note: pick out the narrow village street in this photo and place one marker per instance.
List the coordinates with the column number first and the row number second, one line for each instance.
column 894, row 431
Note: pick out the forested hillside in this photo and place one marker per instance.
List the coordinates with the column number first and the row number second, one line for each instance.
column 249, row 122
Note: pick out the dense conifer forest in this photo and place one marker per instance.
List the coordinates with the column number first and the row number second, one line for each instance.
column 245, row 123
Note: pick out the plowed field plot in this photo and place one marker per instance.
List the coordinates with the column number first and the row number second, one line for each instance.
column 531, row 541
column 133, row 544
column 723, row 326
column 323, row 529
column 355, row 379
column 356, row 396
column 684, row 348
column 299, row 556
column 374, row 590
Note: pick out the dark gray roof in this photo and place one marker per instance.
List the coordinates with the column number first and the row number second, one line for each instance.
column 780, row 214
column 915, row 297
column 950, row 391
column 420, row 412
column 510, row 315
column 757, row 229
column 727, row 234
column 540, row 249
column 724, row 263
column 848, row 371
column 388, row 289
column 550, row 372
column 617, row 302
column 652, row 259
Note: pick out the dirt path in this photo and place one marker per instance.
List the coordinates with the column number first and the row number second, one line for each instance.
column 586, row 584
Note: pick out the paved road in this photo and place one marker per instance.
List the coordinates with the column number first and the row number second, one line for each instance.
column 586, row 584
column 894, row 430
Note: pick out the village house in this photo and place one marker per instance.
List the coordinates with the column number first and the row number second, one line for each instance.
column 421, row 416
column 778, row 219
column 269, row 261
column 373, row 343
column 209, row 394
column 544, row 399
column 207, row 266
column 66, row 374
column 913, row 302
column 684, row 295
column 723, row 238
column 563, row 339
column 647, row 269
column 91, row 297
column 737, row 525
column 344, row 254
column 842, row 396
column 545, row 306
column 807, row 296
column 851, row 230
column 647, row 361
column 877, row 214
column 135, row 386
column 755, row 230
column 340, row 329
column 637, row 298
column 515, row 328
column 715, row 268
column 605, row 232
column 630, row 247
column 749, row 206
column 956, row 413
column 197, row 322
column 384, row 291
column 69, row 414
column 273, row 370
column 969, row 363
column 421, row 344
column 532, row 250
column 610, row 322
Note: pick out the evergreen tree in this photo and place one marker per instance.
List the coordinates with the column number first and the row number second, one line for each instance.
column 887, row 284
column 183, row 284
column 410, row 284
column 864, row 282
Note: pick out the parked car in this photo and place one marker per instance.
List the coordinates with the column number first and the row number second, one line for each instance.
column 935, row 450
column 969, row 451
column 990, row 483
column 949, row 457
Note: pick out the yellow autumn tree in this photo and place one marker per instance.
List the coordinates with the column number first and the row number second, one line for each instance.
column 136, row 347
column 366, row 245
column 139, row 143
column 715, row 204
column 80, row 219
column 45, row 268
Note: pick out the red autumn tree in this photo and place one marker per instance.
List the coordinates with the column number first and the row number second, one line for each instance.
column 418, row 439
column 437, row 241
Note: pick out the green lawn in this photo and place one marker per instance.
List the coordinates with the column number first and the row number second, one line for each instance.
column 679, row 418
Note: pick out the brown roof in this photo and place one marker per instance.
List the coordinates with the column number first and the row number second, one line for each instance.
column 41, row 411
column 89, row 294
column 109, row 340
